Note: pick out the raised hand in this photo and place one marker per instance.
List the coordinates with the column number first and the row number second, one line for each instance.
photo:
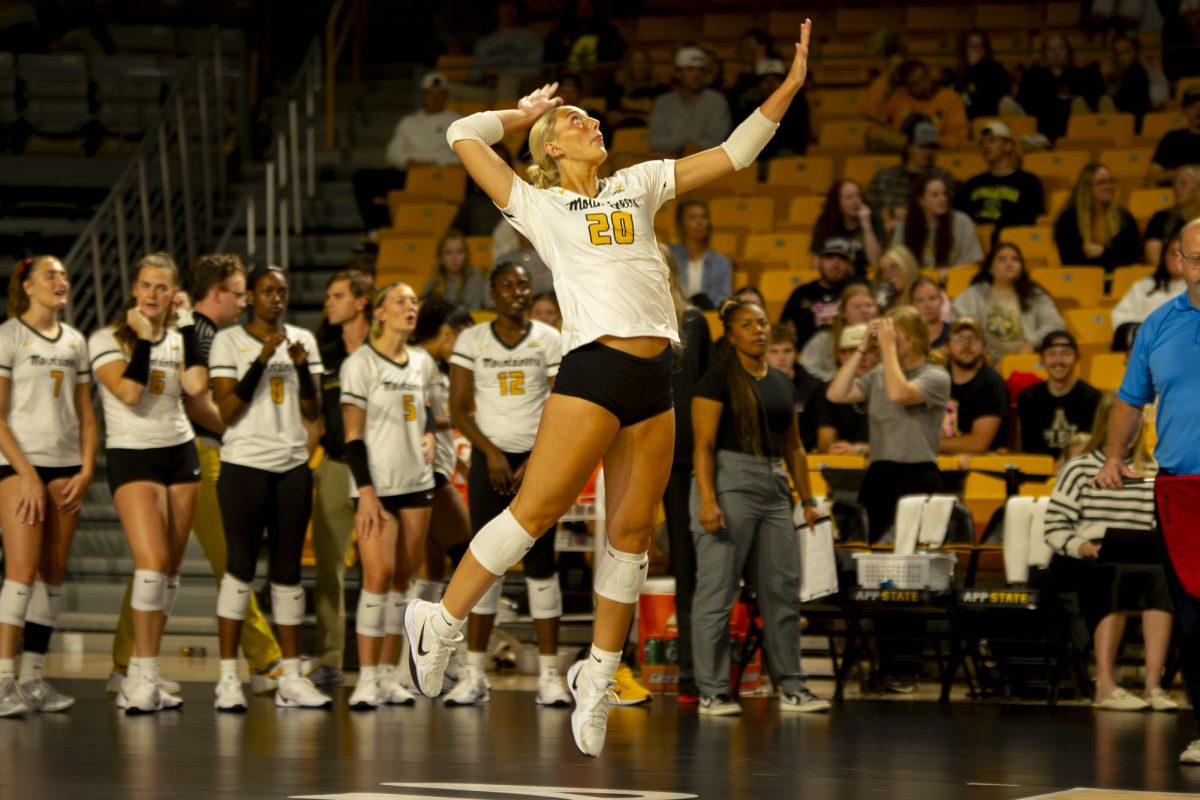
column 270, row 345
column 799, row 71
column 539, row 101
column 138, row 322
column 298, row 353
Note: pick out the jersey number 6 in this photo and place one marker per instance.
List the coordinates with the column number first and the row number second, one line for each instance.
column 606, row 228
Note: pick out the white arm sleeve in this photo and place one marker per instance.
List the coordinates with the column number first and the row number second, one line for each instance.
column 748, row 139
column 483, row 127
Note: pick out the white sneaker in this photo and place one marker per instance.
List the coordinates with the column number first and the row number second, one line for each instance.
column 1121, row 700
column 300, row 692
column 41, row 696
column 392, row 691
column 1192, row 754
column 589, row 719
column 429, row 653
column 472, row 689
column 229, row 696
column 12, row 702
column 803, row 701
column 115, row 679
column 721, row 705
column 1160, row 700
column 139, row 695
column 552, row 692
column 367, row 695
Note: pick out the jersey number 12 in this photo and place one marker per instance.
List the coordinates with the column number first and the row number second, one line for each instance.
column 512, row 383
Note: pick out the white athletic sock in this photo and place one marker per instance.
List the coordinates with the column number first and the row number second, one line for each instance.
column 291, row 667
column 477, row 661
column 31, row 666
column 143, row 666
column 445, row 624
column 368, row 673
column 604, row 664
column 8, row 668
column 229, row 669
column 548, row 666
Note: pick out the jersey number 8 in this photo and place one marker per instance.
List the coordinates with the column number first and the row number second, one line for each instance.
column 512, row 383
column 607, row 228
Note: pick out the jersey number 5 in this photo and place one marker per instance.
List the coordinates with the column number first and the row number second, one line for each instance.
column 410, row 408
column 512, row 383
column 607, row 228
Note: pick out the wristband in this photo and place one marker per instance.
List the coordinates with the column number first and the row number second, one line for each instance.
column 192, row 356
column 430, row 421
column 138, row 368
column 308, row 388
column 809, row 502
column 249, row 382
column 356, row 459
column 484, row 126
column 184, row 317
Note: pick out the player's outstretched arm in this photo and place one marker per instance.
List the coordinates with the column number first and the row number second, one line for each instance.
column 472, row 139
column 748, row 139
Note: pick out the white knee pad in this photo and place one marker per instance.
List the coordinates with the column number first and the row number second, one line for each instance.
column 45, row 604
column 171, row 593
column 14, row 603
column 620, row 575
column 371, row 610
column 501, row 543
column 149, row 591
column 545, row 597
column 393, row 618
column 489, row 604
column 430, row 591
column 233, row 597
column 287, row 604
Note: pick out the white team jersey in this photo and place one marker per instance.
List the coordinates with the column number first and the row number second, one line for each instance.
column 42, row 375
column 445, row 461
column 511, row 383
column 608, row 274
column 158, row 420
column 270, row 433
column 395, row 398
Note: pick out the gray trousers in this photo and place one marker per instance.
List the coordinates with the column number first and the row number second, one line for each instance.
column 753, row 495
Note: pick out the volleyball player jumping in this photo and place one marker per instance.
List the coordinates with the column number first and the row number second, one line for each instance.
column 612, row 398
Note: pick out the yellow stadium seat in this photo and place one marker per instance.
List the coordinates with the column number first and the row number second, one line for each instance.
column 844, row 134
column 479, row 252
column 830, row 104
column 1156, row 124
column 456, row 67
column 861, row 169
column 1145, row 203
column 777, row 287
column 1017, row 126
column 655, row 28
column 866, row 20
column 1036, row 243
column 631, row 140
column 815, row 172
column 724, row 26
column 1077, row 287
column 816, row 482
column 1090, row 325
column 1029, row 464
column 962, row 165
column 1106, row 371
column 753, row 214
column 420, row 219
column 725, row 243
column 484, row 315
column 1021, row 362
column 443, row 184
column 792, row 248
column 1064, row 165
column 1058, row 200
column 1129, row 163
column 805, row 210
column 818, row 460
column 405, row 255
column 743, row 182
column 983, row 495
column 715, row 329
column 1125, row 277
column 1114, row 129
column 959, row 278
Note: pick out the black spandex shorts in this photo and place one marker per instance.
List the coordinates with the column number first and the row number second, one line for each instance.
column 632, row 388
column 440, row 480
column 47, row 474
column 394, row 503
column 163, row 465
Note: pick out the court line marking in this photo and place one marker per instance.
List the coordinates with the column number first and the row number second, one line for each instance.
column 1066, row 793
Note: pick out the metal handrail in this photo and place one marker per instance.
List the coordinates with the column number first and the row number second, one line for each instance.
column 346, row 17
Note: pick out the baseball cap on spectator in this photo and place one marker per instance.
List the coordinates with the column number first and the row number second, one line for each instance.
column 925, row 134
column 998, row 129
column 1191, row 96
column 432, row 80
column 852, row 337
column 963, row 323
column 771, row 66
column 690, row 57
column 1059, row 339
column 834, row 249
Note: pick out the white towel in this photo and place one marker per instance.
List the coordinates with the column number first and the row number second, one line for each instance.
column 1039, row 552
column 908, row 523
column 935, row 520
column 1018, row 519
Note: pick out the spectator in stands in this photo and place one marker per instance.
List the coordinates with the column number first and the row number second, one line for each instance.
column 781, row 354
column 540, row 279
column 755, row 47
column 1050, row 413
column 919, row 93
column 898, row 273
column 1006, row 194
column 791, row 138
column 891, row 188
column 1077, row 519
column 980, row 79
column 1177, row 147
column 1169, row 222
column 749, row 294
column 1130, row 88
column 933, row 306
column 977, row 413
column 906, row 402
column 937, row 234
column 845, row 429
column 545, row 309
column 634, row 91
column 584, row 39
column 419, row 138
column 1147, row 295
column 846, row 223
column 1093, row 229
column 455, row 279
column 507, row 56
column 693, row 117
column 814, row 305
column 706, row 275
column 1050, row 90
column 819, row 354
column 714, row 68
column 1016, row 313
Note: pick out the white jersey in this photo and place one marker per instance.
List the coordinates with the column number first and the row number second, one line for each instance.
column 511, row 383
column 158, row 420
column 396, row 399
column 608, row 274
column 270, row 433
column 42, row 375
column 445, row 461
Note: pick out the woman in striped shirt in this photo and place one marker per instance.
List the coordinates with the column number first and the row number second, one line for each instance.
column 1077, row 518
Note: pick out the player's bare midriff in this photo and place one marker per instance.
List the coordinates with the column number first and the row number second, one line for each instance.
column 640, row 346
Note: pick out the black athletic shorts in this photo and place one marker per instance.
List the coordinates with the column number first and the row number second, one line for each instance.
column 632, row 388
column 394, row 503
column 47, row 474
column 163, row 465
column 440, row 480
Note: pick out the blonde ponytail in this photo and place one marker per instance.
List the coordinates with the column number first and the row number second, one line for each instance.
column 543, row 172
